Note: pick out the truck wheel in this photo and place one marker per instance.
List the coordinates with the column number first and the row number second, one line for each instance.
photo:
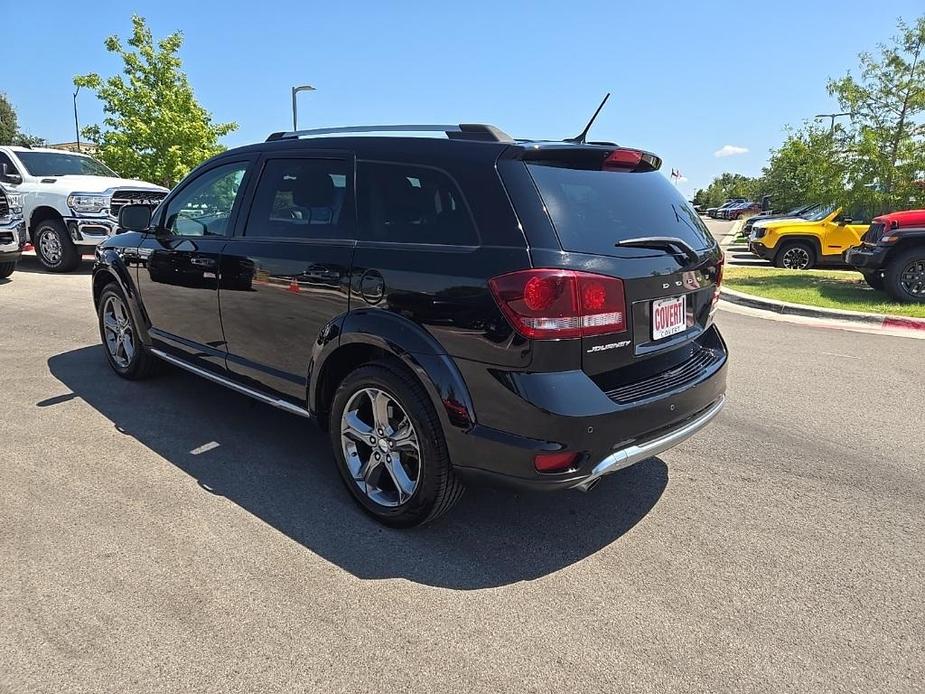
column 904, row 278
column 54, row 248
column 389, row 447
column 874, row 280
column 795, row 255
column 6, row 269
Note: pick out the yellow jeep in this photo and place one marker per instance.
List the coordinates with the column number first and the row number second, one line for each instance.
column 801, row 243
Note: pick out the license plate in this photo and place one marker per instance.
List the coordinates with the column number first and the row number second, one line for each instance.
column 669, row 317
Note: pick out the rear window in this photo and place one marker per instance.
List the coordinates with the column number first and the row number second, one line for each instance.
column 592, row 210
column 402, row 203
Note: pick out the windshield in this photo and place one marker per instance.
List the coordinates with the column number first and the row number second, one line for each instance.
column 592, row 210
column 817, row 213
column 62, row 164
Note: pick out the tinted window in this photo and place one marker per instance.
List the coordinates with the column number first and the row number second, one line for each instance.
column 62, row 164
column 411, row 204
column 592, row 210
column 203, row 207
column 301, row 198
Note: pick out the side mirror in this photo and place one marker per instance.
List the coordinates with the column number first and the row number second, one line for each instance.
column 135, row 217
column 845, row 220
column 7, row 177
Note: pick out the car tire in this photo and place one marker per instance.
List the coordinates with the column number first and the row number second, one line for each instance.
column 904, row 279
column 6, row 269
column 795, row 255
column 389, row 447
column 54, row 247
column 875, row 280
column 125, row 351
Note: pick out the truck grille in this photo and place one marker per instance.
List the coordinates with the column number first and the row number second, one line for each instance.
column 874, row 233
column 120, row 198
column 672, row 379
column 4, row 205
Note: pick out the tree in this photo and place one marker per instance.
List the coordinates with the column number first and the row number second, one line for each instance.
column 810, row 166
column 10, row 134
column 725, row 186
column 887, row 101
column 9, row 125
column 155, row 129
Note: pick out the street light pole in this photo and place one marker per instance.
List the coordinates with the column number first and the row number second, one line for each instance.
column 296, row 90
column 76, row 122
column 831, row 117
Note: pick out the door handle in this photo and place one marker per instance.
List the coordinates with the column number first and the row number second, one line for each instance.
column 203, row 262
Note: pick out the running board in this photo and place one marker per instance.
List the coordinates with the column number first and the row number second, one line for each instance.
column 244, row 390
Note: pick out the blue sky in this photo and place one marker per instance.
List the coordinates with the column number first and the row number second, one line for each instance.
column 687, row 78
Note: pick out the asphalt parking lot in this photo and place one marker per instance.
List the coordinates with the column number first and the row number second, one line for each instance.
column 173, row 536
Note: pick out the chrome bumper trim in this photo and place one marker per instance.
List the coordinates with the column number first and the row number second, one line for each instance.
column 637, row 453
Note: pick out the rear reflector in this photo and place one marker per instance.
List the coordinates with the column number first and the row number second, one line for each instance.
column 719, row 280
column 549, row 304
column 555, row 462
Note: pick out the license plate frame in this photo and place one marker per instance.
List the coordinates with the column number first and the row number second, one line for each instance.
column 668, row 322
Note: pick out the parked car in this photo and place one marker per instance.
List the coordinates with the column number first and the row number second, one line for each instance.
column 820, row 238
column 70, row 201
column 740, row 210
column 469, row 308
column 891, row 255
column 759, row 219
column 717, row 211
column 12, row 231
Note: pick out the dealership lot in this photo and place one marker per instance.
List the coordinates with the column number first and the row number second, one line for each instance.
column 170, row 534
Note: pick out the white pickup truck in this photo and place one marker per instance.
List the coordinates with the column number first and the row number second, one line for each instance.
column 12, row 231
column 70, row 201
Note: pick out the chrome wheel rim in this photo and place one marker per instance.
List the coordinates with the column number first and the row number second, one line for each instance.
column 796, row 259
column 912, row 278
column 50, row 246
column 117, row 330
column 381, row 447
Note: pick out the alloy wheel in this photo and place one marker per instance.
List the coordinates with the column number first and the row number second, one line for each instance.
column 381, row 447
column 795, row 259
column 912, row 278
column 117, row 328
column 50, row 247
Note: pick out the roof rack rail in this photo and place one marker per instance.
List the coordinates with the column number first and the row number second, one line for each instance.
column 463, row 131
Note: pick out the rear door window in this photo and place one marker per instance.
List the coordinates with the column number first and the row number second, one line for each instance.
column 592, row 210
column 402, row 203
column 301, row 198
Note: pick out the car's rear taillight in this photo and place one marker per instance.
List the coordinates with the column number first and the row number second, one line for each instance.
column 625, row 159
column 549, row 304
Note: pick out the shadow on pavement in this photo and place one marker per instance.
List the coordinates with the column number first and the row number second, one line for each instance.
column 278, row 467
column 29, row 263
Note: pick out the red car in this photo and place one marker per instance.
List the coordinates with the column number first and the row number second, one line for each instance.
column 892, row 255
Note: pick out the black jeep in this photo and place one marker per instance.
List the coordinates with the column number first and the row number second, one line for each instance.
column 891, row 255
column 456, row 308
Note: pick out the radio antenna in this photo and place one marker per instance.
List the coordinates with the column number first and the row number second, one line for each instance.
column 582, row 138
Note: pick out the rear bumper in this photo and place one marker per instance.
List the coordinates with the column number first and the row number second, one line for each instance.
column 567, row 411
column 866, row 258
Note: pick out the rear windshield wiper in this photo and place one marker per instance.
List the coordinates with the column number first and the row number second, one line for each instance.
column 670, row 243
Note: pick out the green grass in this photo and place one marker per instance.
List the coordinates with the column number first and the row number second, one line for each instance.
column 826, row 288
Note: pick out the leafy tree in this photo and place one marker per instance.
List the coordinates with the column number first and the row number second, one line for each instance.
column 10, row 133
column 725, row 186
column 887, row 101
column 9, row 125
column 154, row 127
column 810, row 166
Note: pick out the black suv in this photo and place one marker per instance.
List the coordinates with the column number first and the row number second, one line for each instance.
column 468, row 308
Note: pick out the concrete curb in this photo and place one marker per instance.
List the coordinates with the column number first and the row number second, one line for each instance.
column 869, row 320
